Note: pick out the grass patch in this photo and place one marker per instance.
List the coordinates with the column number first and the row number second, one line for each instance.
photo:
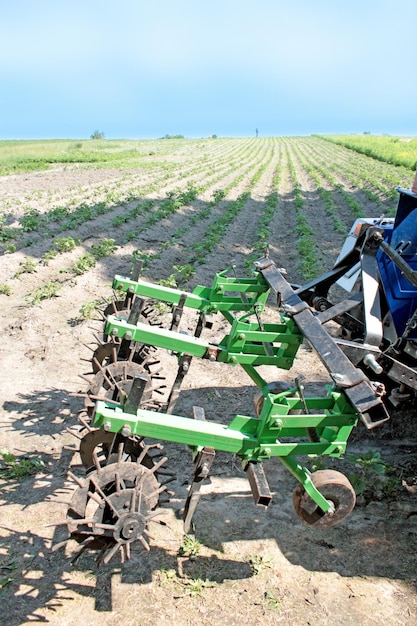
column 18, row 468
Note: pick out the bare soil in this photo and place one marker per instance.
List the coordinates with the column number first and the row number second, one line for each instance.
column 255, row 565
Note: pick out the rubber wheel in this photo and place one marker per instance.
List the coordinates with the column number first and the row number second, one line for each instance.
column 336, row 488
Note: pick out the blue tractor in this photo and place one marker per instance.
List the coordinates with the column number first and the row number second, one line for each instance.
column 376, row 317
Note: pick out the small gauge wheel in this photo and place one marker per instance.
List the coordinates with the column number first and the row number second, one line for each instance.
column 336, row 488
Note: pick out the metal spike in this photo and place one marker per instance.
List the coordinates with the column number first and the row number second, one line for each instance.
column 78, row 521
column 148, row 534
column 86, row 424
column 156, row 492
column 104, row 526
column 103, row 399
column 111, row 554
column 61, row 544
column 80, row 481
column 84, row 546
column 144, row 543
column 70, row 432
column 96, row 462
column 95, row 497
column 61, row 523
column 159, row 464
column 151, row 516
column 103, row 495
column 118, row 482
column 85, row 378
column 142, row 455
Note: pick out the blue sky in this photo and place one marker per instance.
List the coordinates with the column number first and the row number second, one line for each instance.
column 136, row 69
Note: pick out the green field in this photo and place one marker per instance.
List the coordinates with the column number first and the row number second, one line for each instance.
column 26, row 156
column 394, row 150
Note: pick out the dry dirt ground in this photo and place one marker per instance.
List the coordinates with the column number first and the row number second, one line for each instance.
column 254, row 566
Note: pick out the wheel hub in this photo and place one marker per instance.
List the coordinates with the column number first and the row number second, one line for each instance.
column 129, row 527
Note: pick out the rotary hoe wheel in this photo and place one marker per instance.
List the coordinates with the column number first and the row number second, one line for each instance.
column 113, row 384
column 98, row 447
column 336, row 488
column 113, row 506
column 110, row 349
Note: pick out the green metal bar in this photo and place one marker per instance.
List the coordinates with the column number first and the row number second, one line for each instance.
column 154, row 335
column 231, row 350
column 245, row 436
column 174, row 428
column 303, row 475
column 209, row 299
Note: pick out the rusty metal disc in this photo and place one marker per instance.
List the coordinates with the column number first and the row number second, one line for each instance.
column 336, row 488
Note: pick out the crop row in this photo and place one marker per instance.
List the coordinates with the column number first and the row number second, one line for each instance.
column 175, row 218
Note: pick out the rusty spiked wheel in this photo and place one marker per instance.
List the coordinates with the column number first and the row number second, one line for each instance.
column 112, row 507
column 113, row 383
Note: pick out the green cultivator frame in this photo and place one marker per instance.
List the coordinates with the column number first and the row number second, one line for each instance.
column 125, row 480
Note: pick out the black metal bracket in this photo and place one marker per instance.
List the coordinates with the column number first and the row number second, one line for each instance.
column 345, row 375
column 203, row 463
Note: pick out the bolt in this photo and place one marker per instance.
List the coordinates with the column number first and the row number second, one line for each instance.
column 114, row 331
column 126, row 430
column 185, row 367
column 212, row 357
column 107, row 426
column 279, row 423
column 242, row 336
column 267, row 451
column 380, row 389
column 204, row 470
column 370, row 361
column 128, row 336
